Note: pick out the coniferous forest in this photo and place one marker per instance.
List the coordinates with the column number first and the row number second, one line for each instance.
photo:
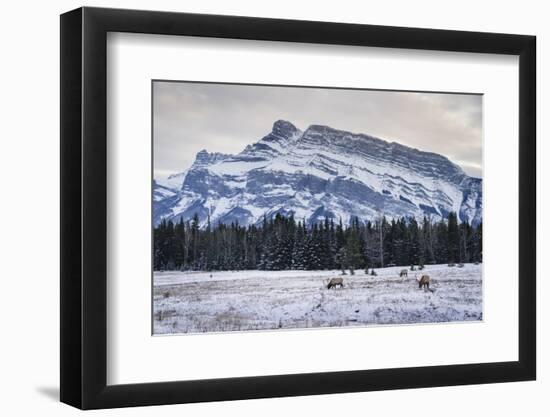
column 282, row 243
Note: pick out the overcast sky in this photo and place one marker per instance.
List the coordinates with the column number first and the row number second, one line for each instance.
column 189, row 117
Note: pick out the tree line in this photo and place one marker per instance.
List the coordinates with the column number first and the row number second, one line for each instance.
column 282, row 243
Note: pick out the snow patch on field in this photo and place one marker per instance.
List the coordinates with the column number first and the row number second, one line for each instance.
column 196, row 302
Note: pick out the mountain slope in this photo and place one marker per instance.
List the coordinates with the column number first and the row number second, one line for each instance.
column 320, row 172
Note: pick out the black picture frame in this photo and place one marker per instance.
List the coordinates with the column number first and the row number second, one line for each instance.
column 84, row 207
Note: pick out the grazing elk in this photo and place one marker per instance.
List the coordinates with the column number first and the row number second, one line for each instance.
column 403, row 273
column 334, row 282
column 424, row 281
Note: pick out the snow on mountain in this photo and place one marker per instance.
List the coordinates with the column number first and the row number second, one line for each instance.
column 320, row 172
column 172, row 182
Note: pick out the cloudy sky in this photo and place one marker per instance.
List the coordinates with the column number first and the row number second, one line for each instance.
column 189, row 117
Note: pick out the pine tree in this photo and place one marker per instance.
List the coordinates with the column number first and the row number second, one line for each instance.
column 341, row 259
column 428, row 240
column 298, row 252
column 453, row 239
column 477, row 244
column 313, row 251
column 354, row 259
column 414, row 242
column 441, row 243
column 179, row 236
column 280, row 244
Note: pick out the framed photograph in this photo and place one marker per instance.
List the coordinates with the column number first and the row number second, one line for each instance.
column 256, row 208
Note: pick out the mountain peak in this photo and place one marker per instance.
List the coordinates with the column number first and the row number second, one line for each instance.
column 322, row 172
column 205, row 158
column 281, row 138
column 284, row 128
column 320, row 128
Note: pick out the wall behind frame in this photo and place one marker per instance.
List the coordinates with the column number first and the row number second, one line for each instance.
column 29, row 178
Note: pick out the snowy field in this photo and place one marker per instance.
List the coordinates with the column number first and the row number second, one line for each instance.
column 196, row 302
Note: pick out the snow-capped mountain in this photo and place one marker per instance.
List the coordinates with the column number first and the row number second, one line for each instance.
column 320, row 172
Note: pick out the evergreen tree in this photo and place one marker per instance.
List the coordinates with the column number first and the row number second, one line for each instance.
column 352, row 253
column 428, row 241
column 414, row 250
column 453, row 239
column 280, row 243
column 313, row 252
column 342, row 259
column 298, row 252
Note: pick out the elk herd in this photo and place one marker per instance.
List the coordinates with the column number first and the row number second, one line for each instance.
column 423, row 281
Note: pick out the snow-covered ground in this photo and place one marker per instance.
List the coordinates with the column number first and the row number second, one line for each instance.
column 193, row 302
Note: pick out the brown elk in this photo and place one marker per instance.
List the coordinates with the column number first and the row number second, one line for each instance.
column 424, row 281
column 403, row 273
column 334, row 282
